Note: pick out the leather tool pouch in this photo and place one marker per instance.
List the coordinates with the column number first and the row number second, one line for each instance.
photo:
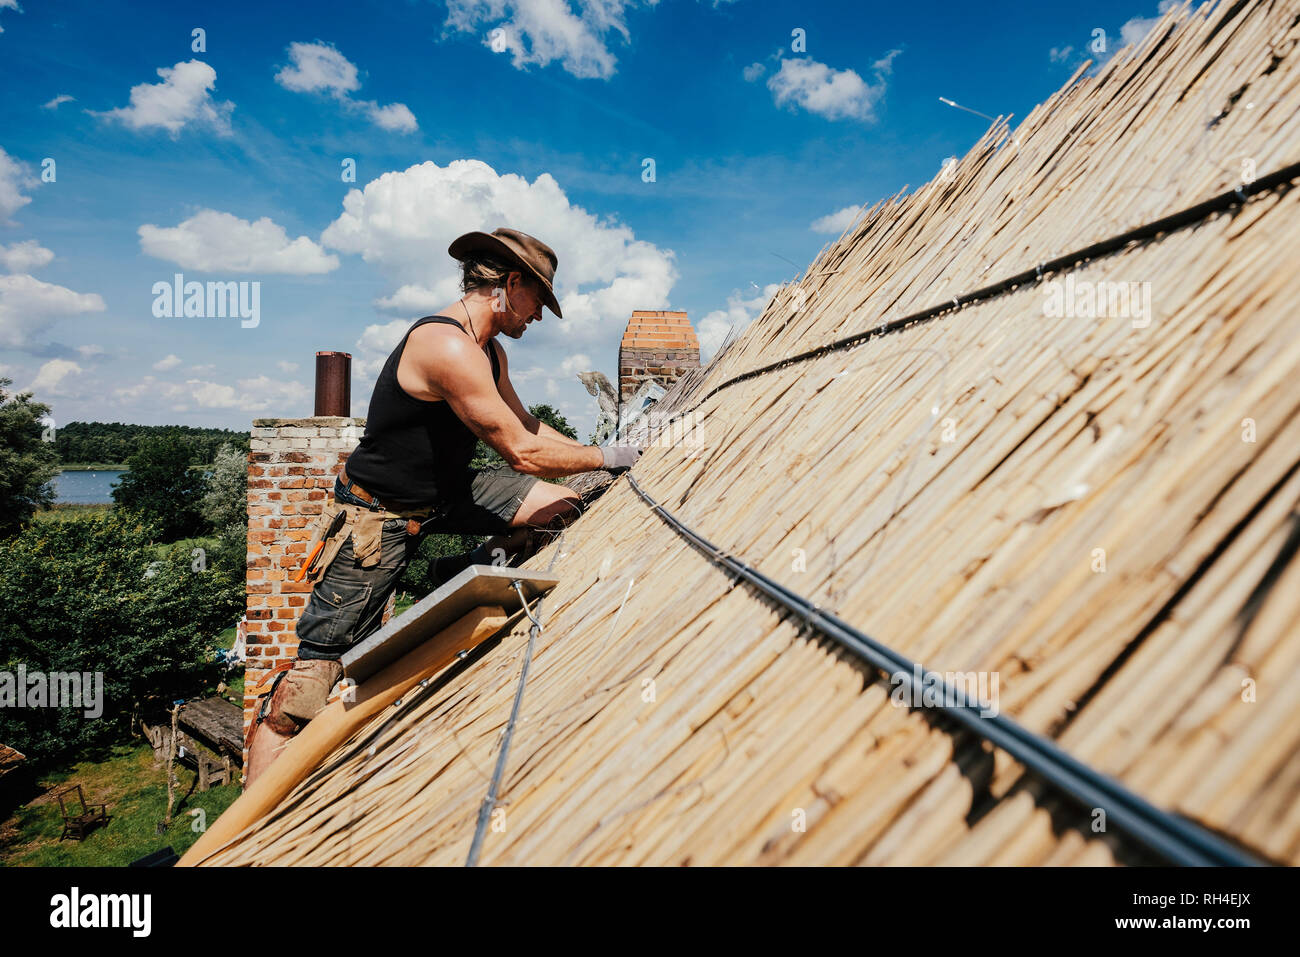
column 367, row 537
column 333, row 544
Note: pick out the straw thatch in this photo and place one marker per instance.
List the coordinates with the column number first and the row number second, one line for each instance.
column 1100, row 512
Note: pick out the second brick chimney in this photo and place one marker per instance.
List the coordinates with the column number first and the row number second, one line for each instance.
column 657, row 345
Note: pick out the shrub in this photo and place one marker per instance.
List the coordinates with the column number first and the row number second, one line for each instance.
column 92, row 596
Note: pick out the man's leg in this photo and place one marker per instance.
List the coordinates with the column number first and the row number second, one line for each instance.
column 524, row 511
column 545, row 504
column 346, row 606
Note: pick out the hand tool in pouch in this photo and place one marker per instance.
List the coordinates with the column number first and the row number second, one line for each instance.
column 335, row 525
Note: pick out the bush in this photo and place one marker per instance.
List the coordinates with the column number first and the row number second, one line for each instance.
column 92, row 596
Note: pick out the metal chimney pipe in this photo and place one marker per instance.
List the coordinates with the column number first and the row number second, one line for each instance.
column 333, row 383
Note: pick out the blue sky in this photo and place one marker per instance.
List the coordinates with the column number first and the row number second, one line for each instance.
column 226, row 164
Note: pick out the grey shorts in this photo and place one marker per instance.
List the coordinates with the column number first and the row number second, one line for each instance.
column 486, row 506
column 348, row 602
column 493, row 501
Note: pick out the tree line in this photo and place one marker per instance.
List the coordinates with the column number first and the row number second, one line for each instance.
column 112, row 443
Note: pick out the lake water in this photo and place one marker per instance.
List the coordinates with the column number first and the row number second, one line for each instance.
column 86, row 488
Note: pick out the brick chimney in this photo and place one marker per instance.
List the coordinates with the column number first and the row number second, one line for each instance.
column 291, row 468
column 292, row 464
column 656, row 345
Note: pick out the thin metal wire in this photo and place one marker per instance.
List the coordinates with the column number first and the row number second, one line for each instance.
column 490, row 799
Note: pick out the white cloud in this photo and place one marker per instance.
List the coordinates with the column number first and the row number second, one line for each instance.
column 885, row 65
column 170, row 362
column 90, row 351
column 394, row 116
column 248, row 395
column 287, row 367
column 183, row 97
column 49, row 379
column 9, row 5
column 403, row 222
column 531, row 373
column 835, row 223
column 375, row 344
column 320, row 68
column 543, row 31
column 28, row 307
column 574, row 364
column 412, row 298
column 213, row 241
column 1135, row 30
column 257, row 394
column 739, row 313
column 54, row 103
column 753, row 72
column 834, row 94
column 1059, row 54
column 14, row 178
column 24, row 256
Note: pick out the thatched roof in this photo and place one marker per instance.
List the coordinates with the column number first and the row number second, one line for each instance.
column 1102, row 512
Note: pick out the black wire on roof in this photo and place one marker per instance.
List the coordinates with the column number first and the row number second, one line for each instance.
column 1171, row 837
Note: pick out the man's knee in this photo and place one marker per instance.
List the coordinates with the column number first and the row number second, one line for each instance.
column 299, row 694
column 549, row 506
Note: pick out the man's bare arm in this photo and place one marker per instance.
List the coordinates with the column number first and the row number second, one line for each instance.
column 551, row 433
column 463, row 376
column 530, row 422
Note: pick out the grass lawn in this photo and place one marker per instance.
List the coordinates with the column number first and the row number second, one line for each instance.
column 135, row 790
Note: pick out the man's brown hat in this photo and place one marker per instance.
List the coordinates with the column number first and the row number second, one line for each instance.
column 513, row 246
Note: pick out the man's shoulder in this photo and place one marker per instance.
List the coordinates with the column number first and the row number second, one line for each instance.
column 440, row 347
column 445, row 335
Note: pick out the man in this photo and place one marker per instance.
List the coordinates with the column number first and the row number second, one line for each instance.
column 446, row 385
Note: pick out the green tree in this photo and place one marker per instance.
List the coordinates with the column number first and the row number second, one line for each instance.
column 553, row 418
column 160, row 488
column 93, row 596
column 28, row 464
column 226, row 500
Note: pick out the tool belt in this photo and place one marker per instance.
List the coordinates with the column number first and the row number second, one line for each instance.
column 340, row 521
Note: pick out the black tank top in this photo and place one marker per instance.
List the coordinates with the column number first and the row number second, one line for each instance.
column 414, row 452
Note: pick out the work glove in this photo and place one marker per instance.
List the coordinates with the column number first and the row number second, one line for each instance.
column 620, row 458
